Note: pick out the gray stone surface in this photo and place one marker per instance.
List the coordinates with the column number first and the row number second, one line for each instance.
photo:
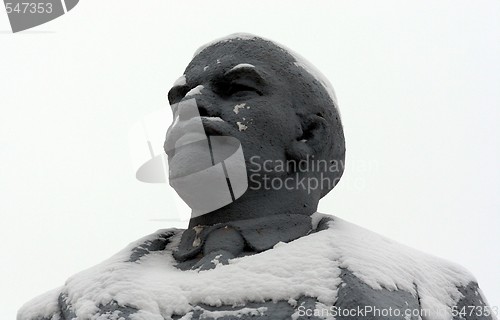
column 291, row 118
column 239, row 238
column 295, row 118
column 154, row 245
column 472, row 306
column 354, row 294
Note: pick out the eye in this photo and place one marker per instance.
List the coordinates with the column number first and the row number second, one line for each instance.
column 238, row 88
column 240, row 81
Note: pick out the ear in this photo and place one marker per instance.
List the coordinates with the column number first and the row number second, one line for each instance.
column 312, row 140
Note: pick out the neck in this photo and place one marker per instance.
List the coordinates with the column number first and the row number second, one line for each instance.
column 261, row 203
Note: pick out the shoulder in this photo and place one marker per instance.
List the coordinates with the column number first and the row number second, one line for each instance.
column 377, row 257
column 378, row 267
column 54, row 305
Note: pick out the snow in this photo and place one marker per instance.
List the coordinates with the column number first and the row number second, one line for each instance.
column 254, row 278
column 44, row 306
column 241, row 126
column 238, row 313
column 310, row 266
column 180, row 82
column 196, row 90
column 229, row 38
column 383, row 263
column 242, row 65
column 237, row 108
column 216, row 260
column 212, row 119
column 318, row 75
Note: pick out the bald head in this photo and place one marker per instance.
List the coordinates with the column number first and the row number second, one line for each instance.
column 292, row 79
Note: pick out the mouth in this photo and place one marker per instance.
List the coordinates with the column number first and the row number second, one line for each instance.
column 192, row 130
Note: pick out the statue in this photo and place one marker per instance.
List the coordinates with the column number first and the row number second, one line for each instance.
column 256, row 142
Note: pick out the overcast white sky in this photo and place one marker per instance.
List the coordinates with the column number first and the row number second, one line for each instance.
column 418, row 85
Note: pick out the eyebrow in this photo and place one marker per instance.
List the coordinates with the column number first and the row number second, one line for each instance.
column 240, row 72
column 242, row 65
column 245, row 70
column 180, row 82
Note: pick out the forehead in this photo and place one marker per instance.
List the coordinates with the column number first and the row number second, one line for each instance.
column 222, row 57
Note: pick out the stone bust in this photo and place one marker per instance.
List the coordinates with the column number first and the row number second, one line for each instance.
column 256, row 247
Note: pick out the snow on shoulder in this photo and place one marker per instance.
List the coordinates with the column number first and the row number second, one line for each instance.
column 383, row 263
column 45, row 306
column 309, row 266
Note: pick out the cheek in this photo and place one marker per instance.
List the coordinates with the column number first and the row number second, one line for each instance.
column 278, row 121
column 242, row 115
column 274, row 119
column 266, row 130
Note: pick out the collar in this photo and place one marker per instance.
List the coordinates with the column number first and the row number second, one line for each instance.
column 259, row 234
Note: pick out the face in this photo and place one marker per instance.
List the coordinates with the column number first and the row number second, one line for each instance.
column 240, row 95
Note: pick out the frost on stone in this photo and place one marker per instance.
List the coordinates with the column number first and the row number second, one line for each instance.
column 242, row 65
column 180, row 82
column 237, row 108
column 44, row 306
column 234, row 313
column 196, row 90
column 241, row 126
column 216, row 260
column 229, row 38
column 312, row 70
